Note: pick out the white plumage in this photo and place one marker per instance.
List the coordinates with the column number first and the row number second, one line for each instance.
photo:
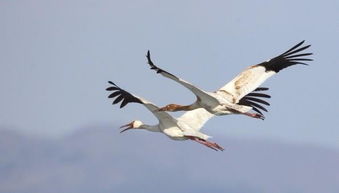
column 183, row 128
column 229, row 98
column 240, row 95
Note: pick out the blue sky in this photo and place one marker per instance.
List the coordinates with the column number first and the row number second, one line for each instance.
column 57, row 56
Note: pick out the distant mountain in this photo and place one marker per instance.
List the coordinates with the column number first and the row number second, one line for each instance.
column 101, row 160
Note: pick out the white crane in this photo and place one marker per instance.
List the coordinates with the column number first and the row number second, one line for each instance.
column 227, row 100
column 183, row 128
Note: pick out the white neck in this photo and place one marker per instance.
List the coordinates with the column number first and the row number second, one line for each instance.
column 153, row 128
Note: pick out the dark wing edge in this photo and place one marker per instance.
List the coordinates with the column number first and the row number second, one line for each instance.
column 288, row 58
column 121, row 95
column 253, row 100
column 154, row 67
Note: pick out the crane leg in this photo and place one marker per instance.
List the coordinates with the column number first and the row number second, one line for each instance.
column 255, row 115
column 238, row 109
column 209, row 144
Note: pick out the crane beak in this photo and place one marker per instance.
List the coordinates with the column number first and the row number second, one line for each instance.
column 126, row 127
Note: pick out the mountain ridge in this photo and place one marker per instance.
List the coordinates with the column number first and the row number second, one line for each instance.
column 93, row 159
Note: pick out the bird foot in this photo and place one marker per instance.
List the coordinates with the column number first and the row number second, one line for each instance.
column 255, row 115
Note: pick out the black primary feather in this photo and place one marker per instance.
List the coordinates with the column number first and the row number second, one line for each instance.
column 287, row 59
column 257, row 100
column 253, row 100
column 154, row 67
column 258, row 95
column 261, row 89
column 121, row 95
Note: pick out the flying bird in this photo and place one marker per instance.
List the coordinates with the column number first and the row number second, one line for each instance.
column 229, row 99
column 185, row 127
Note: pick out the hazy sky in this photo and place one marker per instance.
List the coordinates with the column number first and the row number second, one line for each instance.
column 101, row 160
column 56, row 58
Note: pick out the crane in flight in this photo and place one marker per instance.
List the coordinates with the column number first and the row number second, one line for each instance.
column 185, row 127
column 227, row 100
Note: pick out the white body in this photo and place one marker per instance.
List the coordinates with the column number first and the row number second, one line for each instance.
column 186, row 126
column 189, row 124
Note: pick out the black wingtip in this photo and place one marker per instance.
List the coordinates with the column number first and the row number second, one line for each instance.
column 149, row 60
column 253, row 100
column 296, row 49
column 261, row 89
column 110, row 82
column 120, row 95
column 292, row 56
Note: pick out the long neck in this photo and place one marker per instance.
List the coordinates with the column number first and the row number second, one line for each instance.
column 153, row 128
column 187, row 107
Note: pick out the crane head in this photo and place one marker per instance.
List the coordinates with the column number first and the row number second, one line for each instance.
column 132, row 125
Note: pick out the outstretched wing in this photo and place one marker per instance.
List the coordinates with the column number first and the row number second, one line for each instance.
column 125, row 98
column 254, row 76
column 196, row 118
column 255, row 100
column 198, row 92
column 122, row 95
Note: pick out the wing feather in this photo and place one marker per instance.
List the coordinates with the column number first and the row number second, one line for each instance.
column 252, row 77
column 259, row 95
column 118, row 99
column 257, row 110
column 195, row 119
column 252, row 99
column 198, row 92
column 126, row 98
column 261, row 89
column 256, row 100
